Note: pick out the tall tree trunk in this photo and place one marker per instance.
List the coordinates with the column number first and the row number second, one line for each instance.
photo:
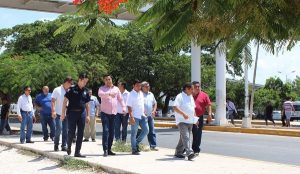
column 253, row 85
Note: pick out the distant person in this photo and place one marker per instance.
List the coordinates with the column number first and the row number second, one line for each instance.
column 269, row 113
column 43, row 103
column 4, row 116
column 78, row 99
column 136, row 110
column 90, row 128
column 288, row 110
column 231, row 110
column 202, row 103
column 283, row 118
column 61, row 127
column 150, row 110
column 122, row 117
column 110, row 97
column 25, row 115
column 184, row 107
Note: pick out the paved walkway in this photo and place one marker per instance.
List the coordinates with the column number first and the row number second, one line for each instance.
column 156, row 162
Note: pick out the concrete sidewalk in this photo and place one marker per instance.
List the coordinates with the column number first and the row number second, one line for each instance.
column 151, row 162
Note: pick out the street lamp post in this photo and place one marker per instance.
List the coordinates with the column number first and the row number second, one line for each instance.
column 286, row 74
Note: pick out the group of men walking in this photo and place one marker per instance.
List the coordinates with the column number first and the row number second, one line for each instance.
column 70, row 108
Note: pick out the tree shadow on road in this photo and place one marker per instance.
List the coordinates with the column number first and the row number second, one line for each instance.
column 37, row 159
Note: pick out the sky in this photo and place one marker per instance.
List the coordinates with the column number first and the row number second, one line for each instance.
column 286, row 62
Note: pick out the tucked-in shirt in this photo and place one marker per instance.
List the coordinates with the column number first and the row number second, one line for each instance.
column 24, row 104
column 186, row 104
column 149, row 101
column 288, row 106
column 202, row 101
column 230, row 106
column 4, row 110
column 59, row 94
column 44, row 101
column 77, row 97
column 136, row 102
column 109, row 103
column 94, row 103
column 125, row 97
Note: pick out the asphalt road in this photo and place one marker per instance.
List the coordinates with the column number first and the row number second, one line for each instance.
column 279, row 149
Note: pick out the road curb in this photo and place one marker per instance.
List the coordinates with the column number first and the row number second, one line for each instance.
column 64, row 157
column 264, row 131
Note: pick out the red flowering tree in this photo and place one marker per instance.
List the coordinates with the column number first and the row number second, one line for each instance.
column 106, row 6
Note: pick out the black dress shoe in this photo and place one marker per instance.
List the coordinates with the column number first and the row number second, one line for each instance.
column 69, row 151
column 111, row 153
column 135, row 153
column 55, row 148
column 30, row 141
column 93, row 140
column 85, row 140
column 105, row 153
column 64, row 149
column 79, row 155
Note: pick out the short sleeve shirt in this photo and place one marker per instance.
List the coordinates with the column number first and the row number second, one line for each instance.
column 136, row 102
column 93, row 105
column 58, row 94
column 202, row 101
column 149, row 101
column 77, row 98
column 185, row 103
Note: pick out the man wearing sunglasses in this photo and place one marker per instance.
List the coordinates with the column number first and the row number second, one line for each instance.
column 25, row 115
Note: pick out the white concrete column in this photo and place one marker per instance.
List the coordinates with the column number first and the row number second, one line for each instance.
column 220, row 116
column 196, row 62
column 246, row 122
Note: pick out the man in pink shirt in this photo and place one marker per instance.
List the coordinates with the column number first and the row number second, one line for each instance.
column 202, row 103
column 110, row 96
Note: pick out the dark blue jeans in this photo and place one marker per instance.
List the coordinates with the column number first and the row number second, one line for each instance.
column 76, row 119
column 4, row 124
column 61, row 127
column 151, row 134
column 108, row 124
column 46, row 119
column 26, row 123
column 197, row 135
column 121, row 120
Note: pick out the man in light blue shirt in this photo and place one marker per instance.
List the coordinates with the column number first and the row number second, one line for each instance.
column 90, row 128
column 150, row 105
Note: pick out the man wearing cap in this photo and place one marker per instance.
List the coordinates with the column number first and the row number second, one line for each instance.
column 25, row 115
column 78, row 99
column 150, row 105
column 43, row 104
column 61, row 127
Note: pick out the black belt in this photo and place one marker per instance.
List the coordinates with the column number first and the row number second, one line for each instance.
column 76, row 110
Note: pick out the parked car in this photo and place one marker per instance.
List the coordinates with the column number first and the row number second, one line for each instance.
column 296, row 115
column 276, row 115
column 13, row 108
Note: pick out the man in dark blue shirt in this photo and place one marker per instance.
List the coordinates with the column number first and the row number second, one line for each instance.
column 43, row 104
column 77, row 112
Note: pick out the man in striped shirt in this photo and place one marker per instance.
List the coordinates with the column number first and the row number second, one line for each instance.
column 288, row 109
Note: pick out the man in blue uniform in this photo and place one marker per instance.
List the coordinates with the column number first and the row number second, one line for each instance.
column 78, row 99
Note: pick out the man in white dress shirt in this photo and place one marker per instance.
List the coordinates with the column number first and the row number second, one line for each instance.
column 25, row 115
